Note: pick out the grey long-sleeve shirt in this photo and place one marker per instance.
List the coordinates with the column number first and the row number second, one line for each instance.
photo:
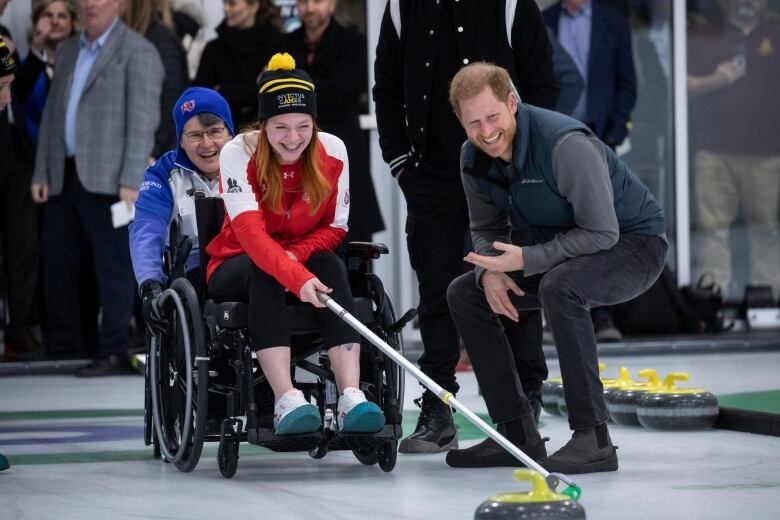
column 582, row 176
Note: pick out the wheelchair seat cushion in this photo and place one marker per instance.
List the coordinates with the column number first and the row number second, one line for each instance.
column 235, row 315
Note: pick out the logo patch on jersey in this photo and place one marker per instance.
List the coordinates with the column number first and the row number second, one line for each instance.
column 188, row 106
column 233, row 186
column 288, row 175
column 346, row 198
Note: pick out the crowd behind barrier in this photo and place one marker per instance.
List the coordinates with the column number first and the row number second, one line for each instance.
column 93, row 98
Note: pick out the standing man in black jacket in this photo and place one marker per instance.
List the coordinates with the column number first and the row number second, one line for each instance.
column 422, row 44
column 335, row 58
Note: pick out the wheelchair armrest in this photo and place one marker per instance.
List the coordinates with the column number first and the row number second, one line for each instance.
column 366, row 250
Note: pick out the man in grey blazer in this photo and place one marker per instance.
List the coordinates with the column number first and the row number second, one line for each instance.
column 95, row 140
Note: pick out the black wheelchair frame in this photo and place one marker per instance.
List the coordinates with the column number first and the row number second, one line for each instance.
column 203, row 384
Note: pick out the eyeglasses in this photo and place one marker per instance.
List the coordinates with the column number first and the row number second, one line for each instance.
column 213, row 134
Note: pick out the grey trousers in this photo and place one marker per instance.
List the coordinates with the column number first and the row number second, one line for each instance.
column 566, row 293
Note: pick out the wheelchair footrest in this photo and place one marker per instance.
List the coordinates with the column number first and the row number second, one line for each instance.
column 364, row 441
column 307, row 441
column 294, row 442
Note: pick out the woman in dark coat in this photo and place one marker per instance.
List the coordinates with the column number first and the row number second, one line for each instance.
column 337, row 63
column 140, row 16
column 231, row 63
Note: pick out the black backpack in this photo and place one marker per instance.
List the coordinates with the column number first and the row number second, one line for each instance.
column 667, row 309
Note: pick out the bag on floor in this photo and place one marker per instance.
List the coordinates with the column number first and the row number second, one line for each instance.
column 666, row 308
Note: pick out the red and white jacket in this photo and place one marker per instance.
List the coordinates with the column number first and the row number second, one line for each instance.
column 252, row 228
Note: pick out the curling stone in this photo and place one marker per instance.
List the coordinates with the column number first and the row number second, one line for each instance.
column 623, row 401
column 540, row 502
column 563, row 409
column 613, row 385
column 670, row 408
column 552, row 389
column 3, row 463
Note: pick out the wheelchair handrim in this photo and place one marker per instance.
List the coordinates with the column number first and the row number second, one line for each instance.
column 183, row 444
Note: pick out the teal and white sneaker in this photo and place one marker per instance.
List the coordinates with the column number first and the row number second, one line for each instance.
column 3, row 463
column 294, row 414
column 356, row 414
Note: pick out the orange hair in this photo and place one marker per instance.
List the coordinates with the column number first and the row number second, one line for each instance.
column 269, row 172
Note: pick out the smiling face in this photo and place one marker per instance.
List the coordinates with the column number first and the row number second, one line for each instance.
column 490, row 122
column 202, row 144
column 289, row 135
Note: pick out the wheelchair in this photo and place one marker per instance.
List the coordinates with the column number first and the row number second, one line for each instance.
column 204, row 385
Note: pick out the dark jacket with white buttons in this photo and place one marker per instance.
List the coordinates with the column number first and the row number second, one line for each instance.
column 407, row 62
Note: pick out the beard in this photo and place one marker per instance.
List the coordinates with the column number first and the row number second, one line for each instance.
column 505, row 142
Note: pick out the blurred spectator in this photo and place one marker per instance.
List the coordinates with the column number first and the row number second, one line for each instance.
column 733, row 70
column 142, row 17
column 7, row 70
column 52, row 22
column 232, row 62
column 418, row 54
column 335, row 58
column 598, row 39
column 185, row 19
column 95, row 140
column 569, row 77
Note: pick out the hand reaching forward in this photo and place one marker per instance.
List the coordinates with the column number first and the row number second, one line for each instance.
column 496, row 286
column 308, row 292
column 511, row 260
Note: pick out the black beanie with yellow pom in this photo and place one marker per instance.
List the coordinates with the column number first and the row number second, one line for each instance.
column 285, row 89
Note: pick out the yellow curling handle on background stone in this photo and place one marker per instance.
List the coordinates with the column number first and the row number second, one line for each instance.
column 540, row 491
column 667, row 387
column 653, row 381
column 623, row 380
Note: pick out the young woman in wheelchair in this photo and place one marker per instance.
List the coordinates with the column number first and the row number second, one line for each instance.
column 203, row 126
column 285, row 189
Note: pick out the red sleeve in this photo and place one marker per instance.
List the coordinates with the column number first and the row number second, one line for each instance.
column 247, row 220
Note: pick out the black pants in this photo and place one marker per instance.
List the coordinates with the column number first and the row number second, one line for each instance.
column 566, row 293
column 19, row 222
column 437, row 233
column 73, row 222
column 239, row 279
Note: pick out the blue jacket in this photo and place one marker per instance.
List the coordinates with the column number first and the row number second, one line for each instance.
column 167, row 193
column 611, row 83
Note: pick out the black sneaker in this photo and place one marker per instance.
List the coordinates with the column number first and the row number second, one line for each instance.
column 112, row 365
column 435, row 432
column 584, row 453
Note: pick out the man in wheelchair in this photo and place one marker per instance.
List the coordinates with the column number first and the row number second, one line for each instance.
column 203, row 126
column 285, row 189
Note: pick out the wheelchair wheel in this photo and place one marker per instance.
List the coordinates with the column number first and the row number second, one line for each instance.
column 387, row 456
column 395, row 340
column 178, row 376
column 227, row 457
column 369, row 457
